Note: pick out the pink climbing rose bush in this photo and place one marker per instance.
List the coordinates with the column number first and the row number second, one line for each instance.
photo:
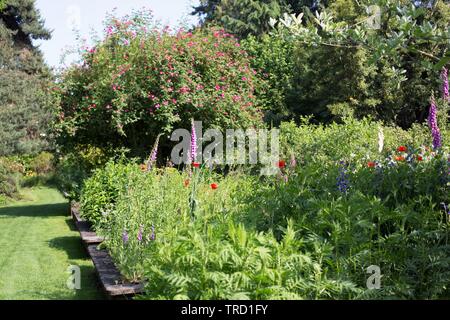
column 141, row 80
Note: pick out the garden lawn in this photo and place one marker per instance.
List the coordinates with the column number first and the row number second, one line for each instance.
column 38, row 242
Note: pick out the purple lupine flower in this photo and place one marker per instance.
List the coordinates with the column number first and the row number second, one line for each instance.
column 432, row 123
column 445, row 91
column 154, row 154
column 139, row 236
column 125, row 237
column 153, row 235
column 193, row 155
column 343, row 183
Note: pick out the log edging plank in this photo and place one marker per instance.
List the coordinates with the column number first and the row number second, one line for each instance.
column 87, row 235
column 75, row 213
column 110, row 277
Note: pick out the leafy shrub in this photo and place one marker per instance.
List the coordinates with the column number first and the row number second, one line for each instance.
column 271, row 56
column 353, row 140
column 140, row 82
column 42, row 163
column 241, row 264
column 10, row 177
column 73, row 168
column 102, row 190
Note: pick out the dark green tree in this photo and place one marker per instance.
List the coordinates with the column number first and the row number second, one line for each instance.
column 344, row 65
column 241, row 17
column 25, row 100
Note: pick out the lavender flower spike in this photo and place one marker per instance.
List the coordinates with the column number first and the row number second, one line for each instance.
column 432, row 123
column 193, row 155
column 445, row 90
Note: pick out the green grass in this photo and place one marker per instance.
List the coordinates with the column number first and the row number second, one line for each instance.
column 38, row 242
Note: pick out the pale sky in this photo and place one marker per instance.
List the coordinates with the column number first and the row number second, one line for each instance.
column 60, row 16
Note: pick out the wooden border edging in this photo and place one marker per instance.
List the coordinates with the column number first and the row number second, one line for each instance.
column 110, row 277
column 87, row 235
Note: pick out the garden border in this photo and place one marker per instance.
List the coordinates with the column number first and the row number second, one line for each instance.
column 108, row 274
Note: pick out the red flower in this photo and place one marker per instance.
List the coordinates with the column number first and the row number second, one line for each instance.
column 214, row 186
column 186, row 183
column 419, row 158
column 281, row 164
column 196, row 165
column 371, row 164
column 402, row 149
column 400, row 158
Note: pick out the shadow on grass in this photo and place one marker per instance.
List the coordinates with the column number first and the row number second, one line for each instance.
column 90, row 289
column 36, row 211
column 71, row 245
column 90, row 285
column 71, row 225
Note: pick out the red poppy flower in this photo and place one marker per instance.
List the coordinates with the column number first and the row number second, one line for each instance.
column 371, row 164
column 281, row 164
column 214, row 186
column 186, row 183
column 419, row 158
column 400, row 158
column 196, row 165
column 402, row 149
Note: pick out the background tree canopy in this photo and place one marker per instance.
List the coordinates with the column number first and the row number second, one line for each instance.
column 388, row 73
column 25, row 102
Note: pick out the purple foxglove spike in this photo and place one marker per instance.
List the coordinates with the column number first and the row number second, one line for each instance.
column 193, row 155
column 433, row 124
column 445, row 90
column 154, row 154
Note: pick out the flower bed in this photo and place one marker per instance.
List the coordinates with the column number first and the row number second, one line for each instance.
column 309, row 232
